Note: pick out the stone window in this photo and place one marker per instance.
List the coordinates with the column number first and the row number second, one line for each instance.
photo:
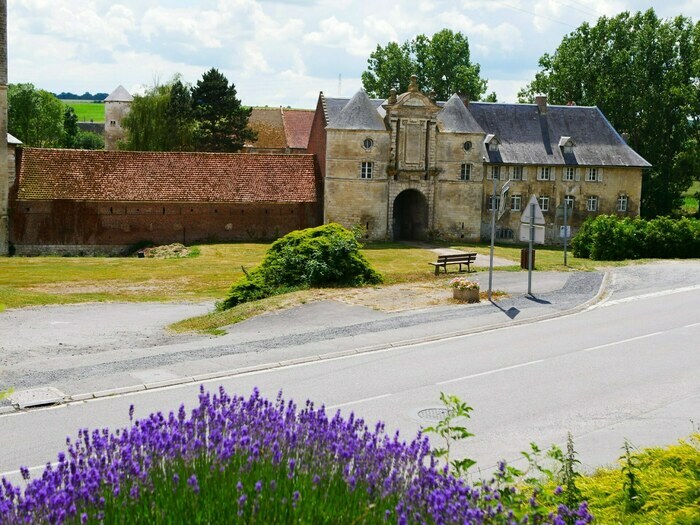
column 593, row 175
column 465, row 172
column 366, row 170
column 516, row 202
column 368, row 143
column 495, row 173
column 491, row 202
column 623, row 202
column 112, row 123
column 569, row 173
column 544, row 203
column 467, row 145
column 517, row 173
column 545, row 173
column 592, row 203
column 570, row 202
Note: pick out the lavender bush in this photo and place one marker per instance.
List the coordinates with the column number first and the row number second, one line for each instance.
column 239, row 460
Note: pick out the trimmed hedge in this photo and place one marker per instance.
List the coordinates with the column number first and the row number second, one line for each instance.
column 321, row 256
column 611, row 238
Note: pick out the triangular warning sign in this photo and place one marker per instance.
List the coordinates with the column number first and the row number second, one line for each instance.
column 539, row 217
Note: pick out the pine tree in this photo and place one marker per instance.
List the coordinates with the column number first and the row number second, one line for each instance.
column 220, row 119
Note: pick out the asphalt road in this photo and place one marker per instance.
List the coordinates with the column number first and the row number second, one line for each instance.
column 626, row 368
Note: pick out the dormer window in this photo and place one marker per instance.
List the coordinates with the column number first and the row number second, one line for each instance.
column 491, row 142
column 566, row 145
column 368, row 144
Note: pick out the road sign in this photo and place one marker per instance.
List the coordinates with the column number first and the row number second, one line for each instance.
column 525, row 234
column 503, row 199
column 539, row 217
column 565, row 232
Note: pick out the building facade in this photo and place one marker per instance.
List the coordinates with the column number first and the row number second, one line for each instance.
column 412, row 168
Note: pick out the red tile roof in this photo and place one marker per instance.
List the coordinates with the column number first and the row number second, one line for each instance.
column 297, row 126
column 129, row 176
column 268, row 124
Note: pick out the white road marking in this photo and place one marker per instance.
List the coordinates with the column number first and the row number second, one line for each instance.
column 661, row 293
column 364, row 400
column 622, row 341
column 691, row 325
column 490, row 372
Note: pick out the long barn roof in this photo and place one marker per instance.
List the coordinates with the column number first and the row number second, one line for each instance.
column 126, row 176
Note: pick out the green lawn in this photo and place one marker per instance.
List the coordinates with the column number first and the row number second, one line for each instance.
column 87, row 111
column 29, row 281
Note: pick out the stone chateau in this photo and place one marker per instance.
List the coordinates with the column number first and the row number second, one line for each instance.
column 403, row 168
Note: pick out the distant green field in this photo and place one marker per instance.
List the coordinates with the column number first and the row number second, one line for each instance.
column 87, row 111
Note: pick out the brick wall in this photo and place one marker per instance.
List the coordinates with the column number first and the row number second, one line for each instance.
column 94, row 226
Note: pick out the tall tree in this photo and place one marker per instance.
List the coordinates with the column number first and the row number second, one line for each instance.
column 221, row 121
column 35, row 116
column 70, row 127
column 161, row 119
column 442, row 64
column 642, row 72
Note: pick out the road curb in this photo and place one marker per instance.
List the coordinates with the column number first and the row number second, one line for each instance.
column 598, row 297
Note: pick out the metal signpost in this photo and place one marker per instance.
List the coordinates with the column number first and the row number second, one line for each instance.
column 532, row 229
column 529, row 248
column 566, row 232
column 493, row 236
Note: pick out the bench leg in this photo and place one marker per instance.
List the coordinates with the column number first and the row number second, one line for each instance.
column 437, row 269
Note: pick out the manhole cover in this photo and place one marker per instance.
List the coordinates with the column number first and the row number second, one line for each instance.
column 433, row 414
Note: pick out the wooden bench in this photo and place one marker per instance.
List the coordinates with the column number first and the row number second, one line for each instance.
column 458, row 258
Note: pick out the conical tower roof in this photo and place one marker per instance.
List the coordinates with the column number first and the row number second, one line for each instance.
column 358, row 113
column 119, row 95
column 456, row 118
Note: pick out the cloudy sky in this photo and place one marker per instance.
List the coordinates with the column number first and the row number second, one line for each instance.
column 282, row 52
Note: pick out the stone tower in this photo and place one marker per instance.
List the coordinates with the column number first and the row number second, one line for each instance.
column 117, row 106
column 4, row 171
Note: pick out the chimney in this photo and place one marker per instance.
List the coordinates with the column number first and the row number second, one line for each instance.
column 626, row 137
column 465, row 98
column 541, row 101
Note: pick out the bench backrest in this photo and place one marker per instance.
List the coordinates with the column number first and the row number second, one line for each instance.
column 457, row 257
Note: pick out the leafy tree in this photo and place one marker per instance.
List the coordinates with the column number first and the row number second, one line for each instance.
column 160, row 120
column 89, row 140
column 34, row 116
column 221, row 121
column 442, row 64
column 642, row 72
column 70, row 127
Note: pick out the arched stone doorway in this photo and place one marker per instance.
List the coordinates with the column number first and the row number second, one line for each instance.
column 410, row 216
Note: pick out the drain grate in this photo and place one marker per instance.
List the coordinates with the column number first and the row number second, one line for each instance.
column 433, row 414
column 36, row 397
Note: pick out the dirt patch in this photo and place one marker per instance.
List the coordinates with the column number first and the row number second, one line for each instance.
column 115, row 286
column 397, row 297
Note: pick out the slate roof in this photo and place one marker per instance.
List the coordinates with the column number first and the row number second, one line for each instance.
column 358, row 113
column 13, row 140
column 297, row 126
column 120, row 94
column 335, row 105
column 126, row 176
column 455, row 118
column 527, row 137
column 268, row 124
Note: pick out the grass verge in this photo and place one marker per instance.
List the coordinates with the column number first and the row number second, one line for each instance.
column 87, row 111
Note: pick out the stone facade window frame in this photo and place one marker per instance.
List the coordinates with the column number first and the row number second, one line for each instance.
column 366, row 169
column 570, row 201
column 467, row 145
column 593, row 175
column 544, row 173
column 490, row 201
column 623, row 203
column 543, row 201
column 495, row 171
column 569, row 174
column 367, row 144
column 516, row 202
column 517, row 173
column 465, row 171
column 592, row 203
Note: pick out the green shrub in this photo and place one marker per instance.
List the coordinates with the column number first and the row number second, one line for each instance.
column 666, row 487
column 608, row 237
column 321, row 256
column 581, row 243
